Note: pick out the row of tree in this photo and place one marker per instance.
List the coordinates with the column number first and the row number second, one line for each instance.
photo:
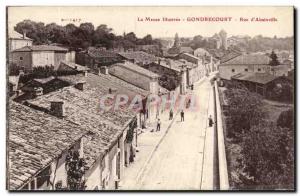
column 81, row 36
column 248, row 44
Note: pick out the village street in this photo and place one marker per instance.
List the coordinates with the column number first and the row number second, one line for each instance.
column 183, row 159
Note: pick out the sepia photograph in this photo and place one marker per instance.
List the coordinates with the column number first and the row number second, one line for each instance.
column 150, row 98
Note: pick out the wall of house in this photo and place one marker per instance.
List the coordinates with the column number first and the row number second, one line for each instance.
column 42, row 58
column 108, row 173
column 93, row 177
column 135, row 78
column 22, row 59
column 18, row 43
column 58, row 57
column 70, row 56
column 189, row 58
column 226, row 72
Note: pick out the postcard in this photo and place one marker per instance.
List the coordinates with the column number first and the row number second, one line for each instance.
column 161, row 98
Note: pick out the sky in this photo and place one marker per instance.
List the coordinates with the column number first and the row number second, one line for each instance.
column 126, row 19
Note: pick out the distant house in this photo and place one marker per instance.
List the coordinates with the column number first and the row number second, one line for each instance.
column 136, row 75
column 17, row 40
column 244, row 63
column 138, row 57
column 40, row 86
column 176, row 75
column 38, row 144
column 180, row 49
column 199, row 52
column 29, row 57
column 97, row 57
column 261, row 83
column 150, row 49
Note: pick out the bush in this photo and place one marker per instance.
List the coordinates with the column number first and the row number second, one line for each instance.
column 286, row 119
column 268, row 156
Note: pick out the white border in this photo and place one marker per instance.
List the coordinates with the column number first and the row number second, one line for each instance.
column 4, row 3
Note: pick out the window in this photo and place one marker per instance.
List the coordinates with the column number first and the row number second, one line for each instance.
column 233, row 70
column 258, row 69
column 21, row 58
column 246, row 69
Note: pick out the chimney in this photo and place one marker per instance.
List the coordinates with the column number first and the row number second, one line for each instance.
column 80, row 85
column 85, row 73
column 104, row 70
column 57, row 108
column 24, row 35
column 37, row 91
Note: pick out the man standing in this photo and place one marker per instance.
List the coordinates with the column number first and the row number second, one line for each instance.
column 210, row 121
column 158, row 125
column 171, row 115
column 182, row 115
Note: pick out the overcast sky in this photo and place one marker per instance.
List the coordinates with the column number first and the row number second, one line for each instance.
column 125, row 19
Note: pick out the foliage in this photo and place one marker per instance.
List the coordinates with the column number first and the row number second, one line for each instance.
column 283, row 91
column 81, row 37
column 268, row 156
column 286, row 119
column 38, row 72
column 274, row 59
column 245, row 111
column 75, row 167
column 265, row 159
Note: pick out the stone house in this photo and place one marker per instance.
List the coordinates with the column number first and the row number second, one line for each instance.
column 244, row 63
column 29, row 57
column 37, row 148
column 17, row 40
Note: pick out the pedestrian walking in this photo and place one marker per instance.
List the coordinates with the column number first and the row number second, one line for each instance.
column 182, row 115
column 210, row 121
column 171, row 115
column 158, row 125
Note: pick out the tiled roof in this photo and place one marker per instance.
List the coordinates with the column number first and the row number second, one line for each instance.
column 186, row 49
column 15, row 35
column 192, row 56
column 229, row 56
column 74, row 66
column 83, row 107
column 261, row 78
column 103, row 82
column 100, row 53
column 139, row 56
column 41, row 48
column 35, row 140
column 136, row 68
column 248, row 59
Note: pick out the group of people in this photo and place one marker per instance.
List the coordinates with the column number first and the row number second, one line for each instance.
column 210, row 120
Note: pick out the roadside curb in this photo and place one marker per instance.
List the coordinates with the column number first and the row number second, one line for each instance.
column 142, row 170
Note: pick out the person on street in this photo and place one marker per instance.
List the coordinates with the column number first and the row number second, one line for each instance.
column 210, row 121
column 171, row 115
column 182, row 115
column 158, row 125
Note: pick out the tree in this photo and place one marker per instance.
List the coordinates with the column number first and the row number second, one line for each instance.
column 245, row 110
column 75, row 167
column 274, row 61
column 268, row 156
column 286, row 119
